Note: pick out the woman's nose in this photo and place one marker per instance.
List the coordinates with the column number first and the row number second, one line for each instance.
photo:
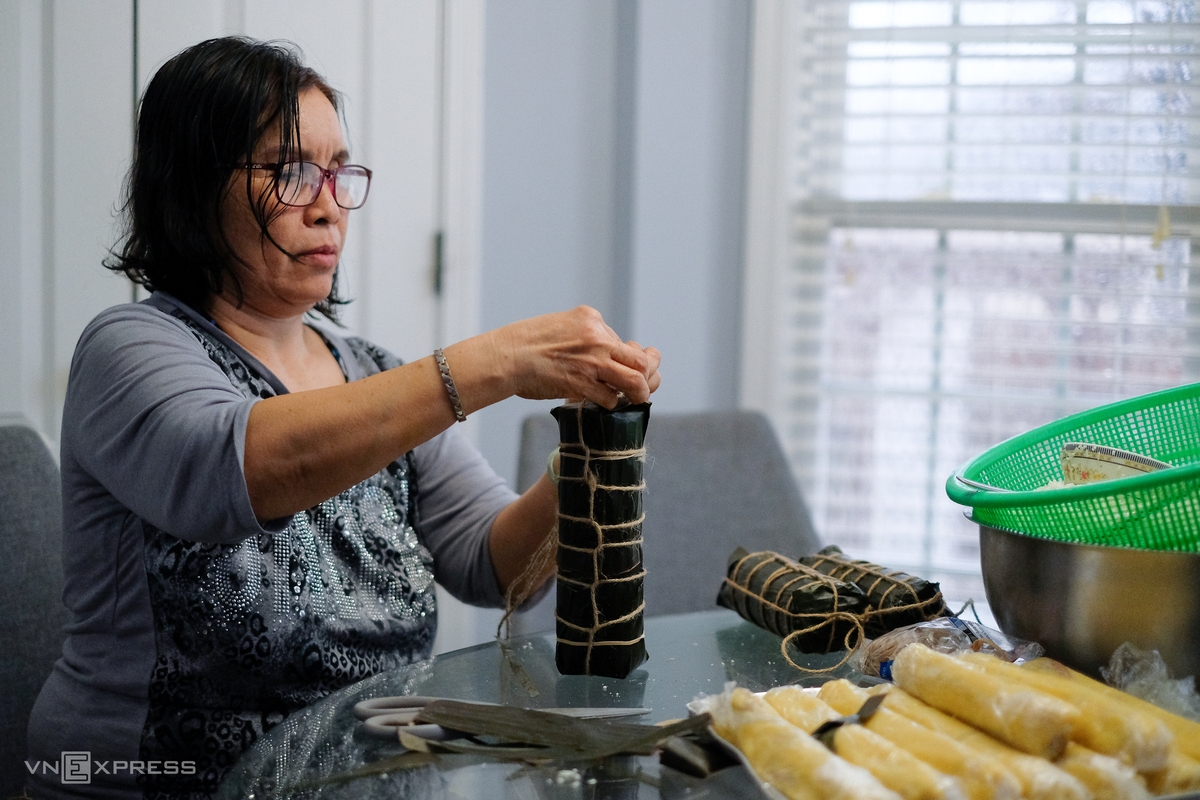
column 325, row 207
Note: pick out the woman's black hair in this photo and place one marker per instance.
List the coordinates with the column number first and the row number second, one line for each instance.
column 203, row 114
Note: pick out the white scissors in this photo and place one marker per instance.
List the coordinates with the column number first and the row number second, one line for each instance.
column 384, row 717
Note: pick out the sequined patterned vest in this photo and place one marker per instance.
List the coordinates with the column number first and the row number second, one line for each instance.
column 246, row 633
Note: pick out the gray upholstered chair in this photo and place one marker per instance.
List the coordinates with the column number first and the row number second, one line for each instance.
column 714, row 480
column 31, row 582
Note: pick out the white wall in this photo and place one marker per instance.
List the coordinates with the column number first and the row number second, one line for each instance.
column 552, row 159
column 613, row 176
column 74, row 101
column 22, row 207
column 693, row 61
column 67, row 68
column 385, row 59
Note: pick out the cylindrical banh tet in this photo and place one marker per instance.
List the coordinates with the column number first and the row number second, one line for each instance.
column 600, row 601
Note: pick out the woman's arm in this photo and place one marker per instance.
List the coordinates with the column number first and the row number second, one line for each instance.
column 519, row 529
column 306, row 447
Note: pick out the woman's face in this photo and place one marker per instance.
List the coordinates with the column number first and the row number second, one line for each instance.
column 272, row 282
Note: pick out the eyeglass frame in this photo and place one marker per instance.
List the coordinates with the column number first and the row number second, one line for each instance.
column 329, row 175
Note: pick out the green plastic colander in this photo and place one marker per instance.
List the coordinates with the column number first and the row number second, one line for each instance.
column 1156, row 511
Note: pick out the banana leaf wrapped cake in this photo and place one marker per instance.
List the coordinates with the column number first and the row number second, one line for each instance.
column 896, row 599
column 816, row 612
column 825, row 601
column 600, row 601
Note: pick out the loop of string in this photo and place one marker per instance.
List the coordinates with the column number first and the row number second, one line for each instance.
column 789, row 575
column 524, row 585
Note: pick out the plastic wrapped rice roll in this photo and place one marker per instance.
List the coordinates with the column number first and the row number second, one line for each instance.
column 1040, row 780
column 1142, row 742
column 1021, row 717
column 785, row 756
column 894, row 767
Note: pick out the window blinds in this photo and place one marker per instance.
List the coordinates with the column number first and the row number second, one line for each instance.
column 995, row 205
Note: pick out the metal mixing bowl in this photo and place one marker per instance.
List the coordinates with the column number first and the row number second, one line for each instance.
column 1081, row 602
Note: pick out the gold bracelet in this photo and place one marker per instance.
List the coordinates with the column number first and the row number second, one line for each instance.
column 451, row 389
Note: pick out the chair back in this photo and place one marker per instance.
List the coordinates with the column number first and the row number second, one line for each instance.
column 714, row 480
column 31, row 626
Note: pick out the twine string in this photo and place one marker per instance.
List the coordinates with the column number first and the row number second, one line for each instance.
column 524, row 585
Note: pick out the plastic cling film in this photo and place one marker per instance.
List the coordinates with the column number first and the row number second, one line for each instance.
column 949, row 635
column 1144, row 674
column 1019, row 716
column 1141, row 742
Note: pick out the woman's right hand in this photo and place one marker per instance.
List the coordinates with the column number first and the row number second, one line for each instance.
column 574, row 354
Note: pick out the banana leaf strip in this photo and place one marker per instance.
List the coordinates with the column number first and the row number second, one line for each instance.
column 525, row 734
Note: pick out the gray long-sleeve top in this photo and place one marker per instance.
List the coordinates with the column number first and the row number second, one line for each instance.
column 196, row 626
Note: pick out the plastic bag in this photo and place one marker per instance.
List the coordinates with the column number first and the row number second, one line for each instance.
column 1144, row 674
column 950, row 635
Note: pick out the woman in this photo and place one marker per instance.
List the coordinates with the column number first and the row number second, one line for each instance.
column 255, row 507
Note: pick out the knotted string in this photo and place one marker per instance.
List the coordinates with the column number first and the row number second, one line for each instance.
column 789, row 624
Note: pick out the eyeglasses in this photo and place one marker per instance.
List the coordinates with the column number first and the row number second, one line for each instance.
column 299, row 183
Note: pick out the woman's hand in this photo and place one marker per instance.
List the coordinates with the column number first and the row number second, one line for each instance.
column 574, row 354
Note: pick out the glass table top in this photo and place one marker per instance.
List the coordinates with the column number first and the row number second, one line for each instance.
column 322, row 751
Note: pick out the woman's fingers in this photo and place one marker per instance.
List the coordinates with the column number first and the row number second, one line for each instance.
column 654, row 381
column 630, row 355
column 630, row 382
column 654, row 358
column 633, row 370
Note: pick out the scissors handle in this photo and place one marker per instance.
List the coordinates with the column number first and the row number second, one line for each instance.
column 391, row 705
column 387, row 726
column 383, row 716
